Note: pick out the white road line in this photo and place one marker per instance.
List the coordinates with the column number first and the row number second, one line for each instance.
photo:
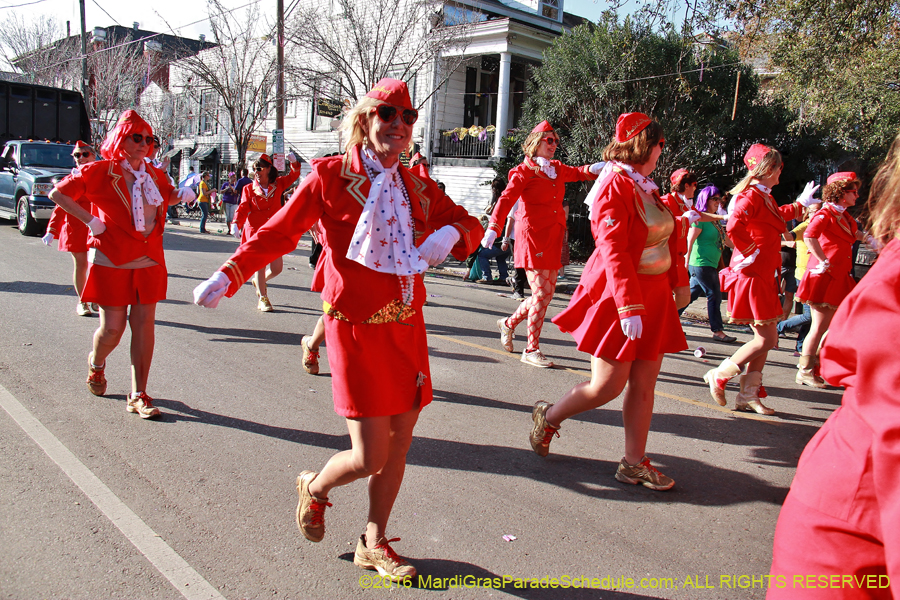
column 180, row 574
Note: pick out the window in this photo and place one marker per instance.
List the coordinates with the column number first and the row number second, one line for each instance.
column 550, row 9
column 290, row 109
column 208, row 113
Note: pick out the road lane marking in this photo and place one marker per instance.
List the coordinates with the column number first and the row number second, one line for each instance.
column 583, row 373
column 180, row 574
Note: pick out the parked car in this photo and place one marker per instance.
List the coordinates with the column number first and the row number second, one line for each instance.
column 865, row 258
column 27, row 171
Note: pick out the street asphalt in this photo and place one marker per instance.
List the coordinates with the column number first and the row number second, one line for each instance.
column 97, row 503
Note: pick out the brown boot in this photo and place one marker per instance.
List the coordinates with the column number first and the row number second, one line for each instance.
column 717, row 379
column 806, row 373
column 748, row 399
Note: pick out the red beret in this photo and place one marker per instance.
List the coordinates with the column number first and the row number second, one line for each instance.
column 678, row 175
column 755, row 155
column 392, row 91
column 843, row 176
column 80, row 144
column 543, row 126
column 629, row 125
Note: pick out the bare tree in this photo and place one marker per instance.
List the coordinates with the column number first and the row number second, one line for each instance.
column 35, row 49
column 118, row 74
column 346, row 50
column 158, row 109
column 232, row 83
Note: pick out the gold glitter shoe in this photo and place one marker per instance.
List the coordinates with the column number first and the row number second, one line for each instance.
column 310, row 510
column 506, row 335
column 264, row 305
column 96, row 380
column 142, row 405
column 542, row 432
column 645, row 474
column 383, row 559
column 310, row 358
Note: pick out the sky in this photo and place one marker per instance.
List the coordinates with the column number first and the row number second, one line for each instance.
column 181, row 15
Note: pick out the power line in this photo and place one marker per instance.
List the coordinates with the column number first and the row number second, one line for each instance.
column 25, row 4
column 106, row 13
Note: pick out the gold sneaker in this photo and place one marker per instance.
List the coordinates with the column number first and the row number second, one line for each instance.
column 542, row 432
column 645, row 474
column 310, row 510
column 506, row 335
column 96, row 380
column 383, row 559
column 142, row 404
column 536, row 358
column 264, row 305
column 310, row 358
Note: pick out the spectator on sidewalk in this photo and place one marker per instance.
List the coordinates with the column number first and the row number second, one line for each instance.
column 203, row 200
column 230, row 198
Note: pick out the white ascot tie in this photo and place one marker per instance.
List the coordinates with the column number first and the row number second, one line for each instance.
column 384, row 238
column 645, row 183
column 546, row 167
column 836, row 207
column 144, row 188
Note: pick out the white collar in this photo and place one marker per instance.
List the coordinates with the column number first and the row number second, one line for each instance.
column 836, row 207
column 762, row 188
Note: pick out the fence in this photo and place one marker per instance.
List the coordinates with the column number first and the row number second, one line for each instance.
column 467, row 147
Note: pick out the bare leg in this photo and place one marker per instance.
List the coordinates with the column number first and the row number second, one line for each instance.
column 79, row 277
column 275, row 268
column 637, row 409
column 143, row 339
column 318, row 335
column 109, row 333
column 385, row 485
column 754, row 352
column 608, row 379
column 270, row 272
column 821, row 321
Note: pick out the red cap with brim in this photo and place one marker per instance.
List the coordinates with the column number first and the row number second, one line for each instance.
column 542, row 127
column 265, row 158
column 392, row 91
column 80, row 144
column 755, row 155
column 843, row 176
column 629, row 125
column 678, row 175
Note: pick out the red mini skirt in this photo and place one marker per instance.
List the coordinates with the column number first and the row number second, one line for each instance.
column 752, row 299
column 824, row 290
column 378, row 370
column 74, row 235
column 108, row 286
column 597, row 330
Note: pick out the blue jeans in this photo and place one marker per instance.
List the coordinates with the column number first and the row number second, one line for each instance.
column 705, row 282
column 204, row 213
column 801, row 323
column 484, row 262
column 229, row 213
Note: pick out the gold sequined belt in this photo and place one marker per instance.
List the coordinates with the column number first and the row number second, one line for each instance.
column 394, row 312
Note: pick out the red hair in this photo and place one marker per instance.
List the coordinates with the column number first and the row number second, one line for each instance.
column 130, row 122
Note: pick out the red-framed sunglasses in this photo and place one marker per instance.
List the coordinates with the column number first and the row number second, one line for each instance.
column 387, row 113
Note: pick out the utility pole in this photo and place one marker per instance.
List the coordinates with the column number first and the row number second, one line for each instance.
column 84, row 73
column 279, row 85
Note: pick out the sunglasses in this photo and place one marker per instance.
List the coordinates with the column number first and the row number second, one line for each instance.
column 551, row 141
column 137, row 138
column 387, row 113
column 155, row 141
column 80, row 154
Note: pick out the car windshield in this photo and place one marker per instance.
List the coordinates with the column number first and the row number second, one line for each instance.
column 47, row 155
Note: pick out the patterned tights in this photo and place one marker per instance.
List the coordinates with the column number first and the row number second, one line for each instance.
column 542, row 284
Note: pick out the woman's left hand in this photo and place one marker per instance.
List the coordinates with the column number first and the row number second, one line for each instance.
column 437, row 246
column 682, row 296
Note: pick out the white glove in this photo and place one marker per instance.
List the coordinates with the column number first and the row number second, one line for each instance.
column 488, row 240
column 437, row 246
column 96, row 226
column 597, row 167
column 186, row 195
column 820, row 268
column 806, row 197
column 292, row 158
column 208, row 293
column 632, row 327
column 235, row 231
column 504, row 244
column 49, row 237
column 748, row 260
column 874, row 244
column 692, row 216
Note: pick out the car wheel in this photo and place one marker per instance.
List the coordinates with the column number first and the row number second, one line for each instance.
column 28, row 225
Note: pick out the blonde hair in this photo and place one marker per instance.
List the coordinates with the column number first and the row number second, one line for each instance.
column 885, row 196
column 637, row 150
column 531, row 143
column 353, row 124
column 770, row 163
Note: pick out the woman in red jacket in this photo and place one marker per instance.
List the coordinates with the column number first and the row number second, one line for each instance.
column 755, row 227
column 540, row 183
column 827, row 280
column 839, row 520
column 73, row 234
column 623, row 312
column 129, row 199
column 259, row 202
column 383, row 227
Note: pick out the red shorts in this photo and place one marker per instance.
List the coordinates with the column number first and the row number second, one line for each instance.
column 108, row 286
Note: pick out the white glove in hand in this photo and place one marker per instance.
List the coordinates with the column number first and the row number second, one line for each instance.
column 820, row 268
column 292, row 158
column 437, row 246
column 235, row 231
column 874, row 244
column 806, row 197
column 208, row 293
column 489, row 237
column 692, row 216
column 96, row 226
column 632, row 327
column 186, row 195
column 49, row 237
column 597, row 167
column 748, row 260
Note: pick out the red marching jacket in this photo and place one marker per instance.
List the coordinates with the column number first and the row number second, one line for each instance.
column 335, row 193
column 836, row 234
column 102, row 183
column 757, row 223
column 256, row 208
column 675, row 205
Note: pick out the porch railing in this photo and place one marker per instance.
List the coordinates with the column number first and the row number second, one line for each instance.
column 473, row 142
